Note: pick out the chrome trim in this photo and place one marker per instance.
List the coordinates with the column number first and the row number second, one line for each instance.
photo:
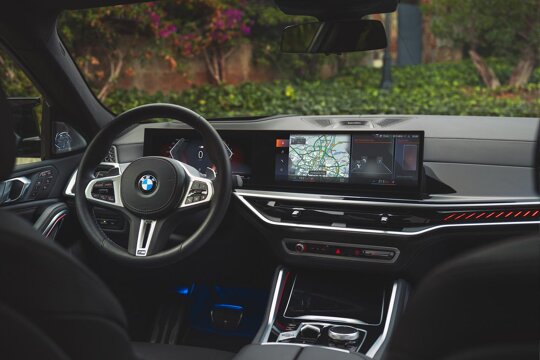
column 332, row 318
column 360, row 246
column 142, row 250
column 272, row 313
column 7, row 189
column 305, row 345
column 69, row 190
column 380, row 340
column 116, row 180
column 323, row 324
column 350, row 200
column 241, row 196
column 287, row 335
column 344, row 337
column 52, row 223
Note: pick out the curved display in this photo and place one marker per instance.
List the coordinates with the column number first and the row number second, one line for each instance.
column 387, row 159
column 339, row 161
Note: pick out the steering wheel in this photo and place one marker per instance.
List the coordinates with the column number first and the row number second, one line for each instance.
column 153, row 192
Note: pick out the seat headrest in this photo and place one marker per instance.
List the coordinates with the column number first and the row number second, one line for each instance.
column 7, row 138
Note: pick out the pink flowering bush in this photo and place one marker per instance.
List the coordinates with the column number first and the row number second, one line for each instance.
column 210, row 28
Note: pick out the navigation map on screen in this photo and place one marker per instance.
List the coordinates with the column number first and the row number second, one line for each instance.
column 319, row 156
column 362, row 158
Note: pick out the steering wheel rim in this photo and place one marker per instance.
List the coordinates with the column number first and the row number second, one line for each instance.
column 219, row 190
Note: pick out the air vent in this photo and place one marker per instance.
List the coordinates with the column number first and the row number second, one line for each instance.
column 323, row 122
column 407, row 220
column 111, row 155
column 491, row 216
column 390, row 121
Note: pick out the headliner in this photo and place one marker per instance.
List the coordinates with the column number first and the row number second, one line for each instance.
column 69, row 4
column 317, row 8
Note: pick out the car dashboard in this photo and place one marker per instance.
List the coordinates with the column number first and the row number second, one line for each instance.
column 357, row 191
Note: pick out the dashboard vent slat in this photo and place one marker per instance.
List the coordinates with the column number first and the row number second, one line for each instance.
column 323, row 122
column 390, row 121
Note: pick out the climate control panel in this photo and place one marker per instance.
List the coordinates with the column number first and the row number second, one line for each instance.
column 340, row 250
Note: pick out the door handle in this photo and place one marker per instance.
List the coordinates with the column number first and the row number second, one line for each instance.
column 14, row 189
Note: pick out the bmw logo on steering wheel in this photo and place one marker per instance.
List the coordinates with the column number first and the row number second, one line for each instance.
column 147, row 184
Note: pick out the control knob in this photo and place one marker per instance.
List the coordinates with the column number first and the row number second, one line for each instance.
column 299, row 247
column 343, row 333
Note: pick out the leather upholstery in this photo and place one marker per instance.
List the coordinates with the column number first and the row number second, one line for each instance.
column 474, row 304
column 22, row 340
column 68, row 303
column 62, row 297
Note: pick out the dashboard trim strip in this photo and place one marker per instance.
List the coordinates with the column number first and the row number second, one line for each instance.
column 337, row 199
column 241, row 196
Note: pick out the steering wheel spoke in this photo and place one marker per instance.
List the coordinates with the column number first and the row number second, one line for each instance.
column 150, row 236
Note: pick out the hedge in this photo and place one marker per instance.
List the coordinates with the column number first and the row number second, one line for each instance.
column 444, row 89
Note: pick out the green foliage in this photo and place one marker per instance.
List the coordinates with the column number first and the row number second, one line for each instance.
column 13, row 80
column 103, row 40
column 500, row 27
column 446, row 89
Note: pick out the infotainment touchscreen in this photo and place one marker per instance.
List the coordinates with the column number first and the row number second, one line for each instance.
column 366, row 158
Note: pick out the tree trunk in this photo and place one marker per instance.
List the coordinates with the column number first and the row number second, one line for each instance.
column 8, row 69
column 221, row 64
column 524, row 68
column 114, row 74
column 486, row 73
column 212, row 65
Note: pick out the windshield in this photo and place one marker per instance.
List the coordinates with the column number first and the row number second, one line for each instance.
column 222, row 58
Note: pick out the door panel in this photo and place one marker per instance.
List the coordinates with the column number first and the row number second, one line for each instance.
column 38, row 187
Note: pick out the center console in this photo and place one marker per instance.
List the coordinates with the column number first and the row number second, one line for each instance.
column 333, row 311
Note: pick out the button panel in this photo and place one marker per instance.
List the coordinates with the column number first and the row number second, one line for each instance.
column 345, row 251
column 104, row 190
column 197, row 193
column 43, row 183
column 319, row 334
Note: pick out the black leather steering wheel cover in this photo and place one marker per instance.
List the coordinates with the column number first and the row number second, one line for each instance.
column 97, row 150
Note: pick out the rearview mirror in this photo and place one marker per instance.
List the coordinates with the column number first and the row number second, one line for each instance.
column 334, row 37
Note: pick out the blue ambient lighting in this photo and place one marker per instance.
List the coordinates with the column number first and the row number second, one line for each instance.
column 229, row 307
